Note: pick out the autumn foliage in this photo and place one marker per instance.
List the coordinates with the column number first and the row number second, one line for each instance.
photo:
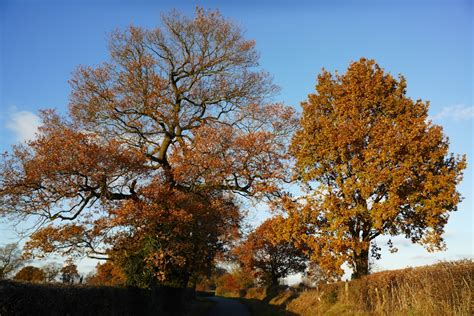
column 30, row 274
column 148, row 167
column 269, row 257
column 375, row 165
column 145, row 167
column 183, row 233
column 107, row 273
column 234, row 282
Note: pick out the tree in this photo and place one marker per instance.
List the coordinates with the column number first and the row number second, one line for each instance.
column 380, row 167
column 69, row 272
column 30, row 274
column 184, row 232
column 51, row 271
column 107, row 273
column 183, row 110
column 10, row 260
column 231, row 283
column 209, row 282
column 269, row 256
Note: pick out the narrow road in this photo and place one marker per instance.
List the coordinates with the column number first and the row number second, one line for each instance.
column 227, row 307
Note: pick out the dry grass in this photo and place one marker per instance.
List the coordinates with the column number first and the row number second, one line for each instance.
column 260, row 308
column 441, row 289
column 256, row 293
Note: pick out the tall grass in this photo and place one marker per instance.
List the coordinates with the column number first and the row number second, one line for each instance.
column 440, row 289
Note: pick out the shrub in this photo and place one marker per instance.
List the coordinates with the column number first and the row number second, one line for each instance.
column 58, row 299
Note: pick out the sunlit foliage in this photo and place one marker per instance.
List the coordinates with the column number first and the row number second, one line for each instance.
column 30, row 274
column 269, row 257
column 374, row 164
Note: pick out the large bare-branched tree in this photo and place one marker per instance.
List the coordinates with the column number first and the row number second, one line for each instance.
column 179, row 116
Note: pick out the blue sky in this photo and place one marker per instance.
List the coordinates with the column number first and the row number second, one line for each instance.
column 429, row 42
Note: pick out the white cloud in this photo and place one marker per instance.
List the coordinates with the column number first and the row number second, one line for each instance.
column 24, row 124
column 459, row 112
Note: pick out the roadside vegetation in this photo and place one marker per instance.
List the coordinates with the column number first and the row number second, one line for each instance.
column 441, row 289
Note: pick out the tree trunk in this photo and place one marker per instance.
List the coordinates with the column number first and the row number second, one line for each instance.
column 274, row 280
column 361, row 264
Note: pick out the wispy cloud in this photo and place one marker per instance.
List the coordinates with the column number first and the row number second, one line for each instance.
column 423, row 257
column 441, row 256
column 24, row 124
column 459, row 112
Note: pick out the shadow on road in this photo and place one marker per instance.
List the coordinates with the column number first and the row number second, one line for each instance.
column 217, row 305
column 227, row 307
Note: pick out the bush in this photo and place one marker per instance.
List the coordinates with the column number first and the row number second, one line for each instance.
column 47, row 299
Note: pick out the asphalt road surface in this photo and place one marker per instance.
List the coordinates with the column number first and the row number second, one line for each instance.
column 227, row 307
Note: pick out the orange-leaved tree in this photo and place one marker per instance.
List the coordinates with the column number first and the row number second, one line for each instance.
column 232, row 282
column 179, row 112
column 30, row 274
column 374, row 165
column 209, row 282
column 268, row 256
column 175, row 234
column 107, row 273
